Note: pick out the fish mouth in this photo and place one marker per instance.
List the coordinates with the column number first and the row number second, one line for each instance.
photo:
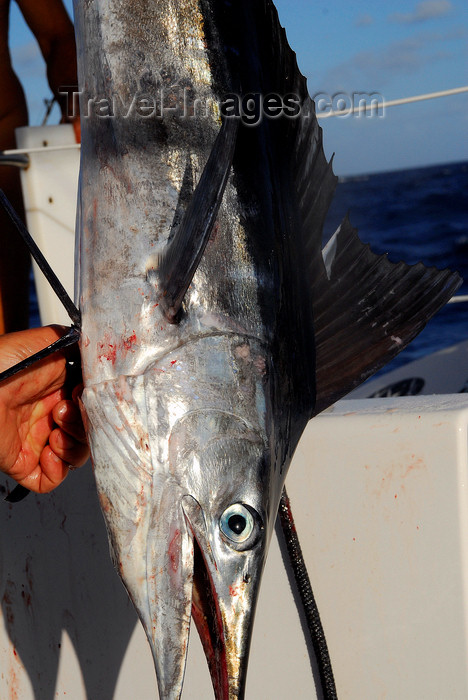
column 207, row 617
column 223, row 605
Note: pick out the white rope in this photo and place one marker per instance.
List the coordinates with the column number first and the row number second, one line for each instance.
column 354, row 110
column 40, row 149
column 393, row 103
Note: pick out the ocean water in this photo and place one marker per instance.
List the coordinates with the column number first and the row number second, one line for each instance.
column 413, row 215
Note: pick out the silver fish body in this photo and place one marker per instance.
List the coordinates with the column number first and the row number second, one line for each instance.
column 192, row 424
column 176, row 413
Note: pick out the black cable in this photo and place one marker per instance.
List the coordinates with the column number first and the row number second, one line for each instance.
column 306, row 595
column 50, row 275
column 70, row 338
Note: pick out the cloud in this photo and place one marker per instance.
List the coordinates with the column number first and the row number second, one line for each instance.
column 424, row 11
column 364, row 21
column 373, row 70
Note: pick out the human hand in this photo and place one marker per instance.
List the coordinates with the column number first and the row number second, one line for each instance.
column 41, row 431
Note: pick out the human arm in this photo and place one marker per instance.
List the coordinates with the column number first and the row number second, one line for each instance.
column 53, row 29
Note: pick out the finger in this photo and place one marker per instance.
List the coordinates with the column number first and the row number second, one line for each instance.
column 54, row 470
column 35, row 429
column 49, row 473
column 66, row 448
column 67, row 416
column 39, row 379
column 43, row 408
column 76, row 393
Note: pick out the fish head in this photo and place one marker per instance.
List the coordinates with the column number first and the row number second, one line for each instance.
column 223, row 465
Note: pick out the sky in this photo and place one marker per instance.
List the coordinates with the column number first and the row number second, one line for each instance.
column 396, row 50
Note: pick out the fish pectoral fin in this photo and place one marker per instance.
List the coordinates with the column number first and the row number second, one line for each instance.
column 366, row 310
column 182, row 255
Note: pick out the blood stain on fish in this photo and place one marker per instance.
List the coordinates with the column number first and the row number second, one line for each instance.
column 174, row 550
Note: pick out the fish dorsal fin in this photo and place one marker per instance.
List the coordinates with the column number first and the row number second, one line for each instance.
column 358, row 309
column 366, row 310
column 183, row 253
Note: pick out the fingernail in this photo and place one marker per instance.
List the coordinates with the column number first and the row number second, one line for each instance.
column 62, row 411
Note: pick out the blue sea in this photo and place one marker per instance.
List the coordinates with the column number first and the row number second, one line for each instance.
column 413, row 215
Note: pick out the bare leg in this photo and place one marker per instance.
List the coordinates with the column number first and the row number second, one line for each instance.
column 14, row 256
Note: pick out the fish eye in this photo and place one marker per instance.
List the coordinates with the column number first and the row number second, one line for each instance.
column 239, row 525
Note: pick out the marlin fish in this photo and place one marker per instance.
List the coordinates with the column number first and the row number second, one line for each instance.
column 213, row 326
